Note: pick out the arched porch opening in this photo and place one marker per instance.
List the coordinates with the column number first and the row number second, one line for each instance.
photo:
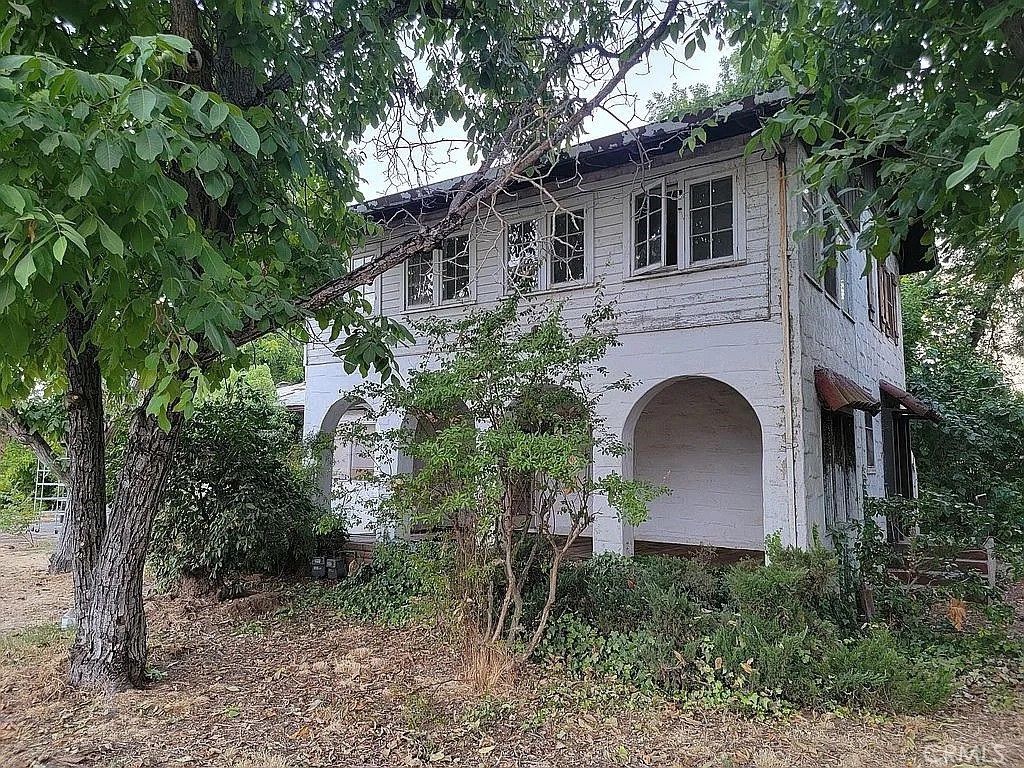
column 702, row 439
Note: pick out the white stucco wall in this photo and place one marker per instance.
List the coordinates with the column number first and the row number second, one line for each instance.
column 702, row 440
column 721, row 321
column 848, row 342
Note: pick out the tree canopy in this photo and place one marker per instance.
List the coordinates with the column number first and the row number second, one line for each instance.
column 178, row 179
column 960, row 335
column 924, row 95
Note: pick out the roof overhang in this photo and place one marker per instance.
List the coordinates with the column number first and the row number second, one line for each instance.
column 632, row 146
column 839, row 393
column 911, row 406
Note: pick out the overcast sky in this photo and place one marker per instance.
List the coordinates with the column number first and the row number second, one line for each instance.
column 659, row 73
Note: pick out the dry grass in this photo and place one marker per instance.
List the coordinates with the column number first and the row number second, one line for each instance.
column 310, row 690
column 488, row 668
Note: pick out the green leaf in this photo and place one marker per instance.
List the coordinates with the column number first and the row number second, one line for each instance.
column 8, row 292
column 210, row 158
column 47, row 145
column 25, row 269
column 111, row 241
column 109, row 154
column 80, row 187
column 971, row 161
column 60, row 247
column 180, row 44
column 1003, row 145
column 141, row 103
column 214, row 185
column 244, row 134
column 12, row 198
column 218, row 113
column 149, row 144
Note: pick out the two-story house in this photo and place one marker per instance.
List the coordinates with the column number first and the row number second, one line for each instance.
column 772, row 390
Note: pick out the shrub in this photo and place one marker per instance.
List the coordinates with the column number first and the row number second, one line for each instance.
column 404, row 581
column 582, row 650
column 507, row 422
column 17, row 513
column 798, row 586
column 872, row 672
column 238, row 500
column 750, row 636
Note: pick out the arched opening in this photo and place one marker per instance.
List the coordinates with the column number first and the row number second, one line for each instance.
column 347, row 460
column 420, row 427
column 701, row 439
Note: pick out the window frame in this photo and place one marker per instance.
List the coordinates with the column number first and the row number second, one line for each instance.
column 667, row 186
column 712, row 174
column 889, row 309
column 544, row 218
column 843, row 296
column 733, row 168
column 870, row 450
column 437, row 279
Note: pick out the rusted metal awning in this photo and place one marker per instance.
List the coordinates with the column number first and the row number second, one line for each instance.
column 837, row 392
column 917, row 408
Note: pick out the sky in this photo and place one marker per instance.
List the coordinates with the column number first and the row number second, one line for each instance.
column 658, row 73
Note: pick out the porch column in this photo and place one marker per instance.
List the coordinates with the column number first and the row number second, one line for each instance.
column 611, row 533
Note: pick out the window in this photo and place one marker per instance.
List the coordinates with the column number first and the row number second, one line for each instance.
column 711, row 226
column 869, row 441
column 567, row 247
column 439, row 276
column 898, row 459
column 353, row 445
column 547, row 252
column 839, row 468
column 655, row 228
column 822, row 252
column 455, row 269
column 888, row 303
column 524, row 256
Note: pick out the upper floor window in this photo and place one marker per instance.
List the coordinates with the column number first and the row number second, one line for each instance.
column 547, row 252
column 711, row 220
column 656, row 227
column 681, row 223
column 440, row 275
column 568, row 246
column 823, row 255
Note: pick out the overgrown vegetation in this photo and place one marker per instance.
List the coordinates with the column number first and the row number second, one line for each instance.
column 757, row 638
column 961, row 333
column 17, row 481
column 404, row 582
column 241, row 496
column 761, row 638
column 506, row 423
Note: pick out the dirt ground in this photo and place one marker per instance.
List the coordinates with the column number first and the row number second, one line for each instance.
column 249, row 685
column 28, row 595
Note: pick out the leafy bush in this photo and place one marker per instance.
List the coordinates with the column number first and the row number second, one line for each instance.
column 239, row 499
column 750, row 636
column 507, row 422
column 404, row 581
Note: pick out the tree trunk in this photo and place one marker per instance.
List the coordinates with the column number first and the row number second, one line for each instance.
column 110, row 648
column 63, row 556
column 87, row 469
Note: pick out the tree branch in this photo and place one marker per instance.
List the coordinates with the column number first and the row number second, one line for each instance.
column 482, row 185
column 19, row 430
